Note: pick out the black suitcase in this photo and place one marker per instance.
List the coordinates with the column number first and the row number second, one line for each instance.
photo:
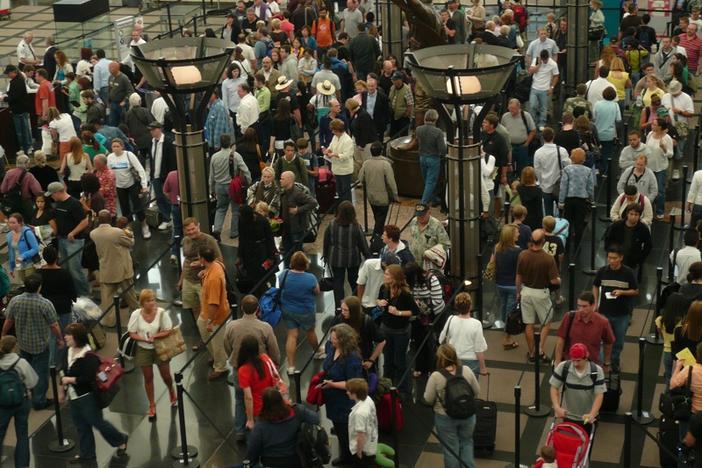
column 610, row 401
column 485, row 431
column 668, row 437
column 326, row 196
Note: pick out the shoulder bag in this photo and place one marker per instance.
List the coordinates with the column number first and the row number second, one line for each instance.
column 490, row 269
column 278, row 383
column 167, row 347
column 676, row 403
column 269, row 303
column 557, row 186
column 681, row 127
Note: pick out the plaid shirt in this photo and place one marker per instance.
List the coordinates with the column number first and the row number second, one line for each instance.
column 33, row 316
column 217, row 124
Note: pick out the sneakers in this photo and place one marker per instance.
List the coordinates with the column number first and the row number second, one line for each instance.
column 164, row 225
column 145, row 231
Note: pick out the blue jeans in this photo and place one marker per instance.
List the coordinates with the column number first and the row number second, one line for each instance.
column 223, row 203
column 21, row 416
column 292, row 242
column 71, row 261
column 521, row 159
column 457, row 434
column 660, row 198
column 538, row 105
column 164, row 205
column 239, row 409
column 549, row 201
column 87, row 415
column 343, row 187
column 116, row 114
column 395, row 354
column 177, row 218
column 23, row 131
column 619, row 325
column 472, row 364
column 40, row 364
column 508, row 297
column 56, row 354
column 431, row 168
column 608, row 151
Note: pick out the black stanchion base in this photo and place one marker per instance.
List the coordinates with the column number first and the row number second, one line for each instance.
column 652, row 339
column 66, row 446
column 587, row 271
column 644, row 419
column 542, row 412
column 177, row 455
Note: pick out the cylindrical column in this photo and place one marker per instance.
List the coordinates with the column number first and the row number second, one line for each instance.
column 506, row 211
column 671, row 247
column 577, row 43
column 192, row 176
column 655, row 338
column 593, row 240
column 393, row 429
column 626, row 459
column 298, row 390
column 365, row 209
column 391, row 20
column 683, row 188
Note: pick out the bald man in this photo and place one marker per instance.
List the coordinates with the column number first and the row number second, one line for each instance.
column 536, row 273
column 296, row 205
column 116, row 273
column 119, row 90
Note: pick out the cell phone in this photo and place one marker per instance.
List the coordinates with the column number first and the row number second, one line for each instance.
column 610, row 295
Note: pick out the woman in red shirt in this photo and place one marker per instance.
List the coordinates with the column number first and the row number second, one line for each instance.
column 255, row 375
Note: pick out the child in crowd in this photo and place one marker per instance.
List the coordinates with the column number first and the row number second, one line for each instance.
column 547, row 458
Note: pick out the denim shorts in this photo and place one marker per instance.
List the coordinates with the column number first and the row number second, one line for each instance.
column 304, row 321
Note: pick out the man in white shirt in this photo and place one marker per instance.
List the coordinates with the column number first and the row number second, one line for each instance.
column 549, row 161
column 544, row 71
column 101, row 76
column 25, row 51
column 683, row 258
column 136, row 41
column 159, row 108
column 247, row 116
column 363, row 424
column 681, row 107
column 370, row 278
column 351, row 17
column 597, row 86
column 247, row 51
column 694, row 199
column 543, row 42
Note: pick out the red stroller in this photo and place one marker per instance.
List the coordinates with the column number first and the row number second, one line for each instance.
column 572, row 444
column 5, row 10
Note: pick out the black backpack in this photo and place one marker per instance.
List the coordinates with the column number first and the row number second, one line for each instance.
column 12, row 199
column 459, row 399
column 12, row 389
column 312, row 442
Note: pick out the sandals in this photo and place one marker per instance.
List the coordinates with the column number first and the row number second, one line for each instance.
column 510, row 346
column 152, row 413
column 174, row 400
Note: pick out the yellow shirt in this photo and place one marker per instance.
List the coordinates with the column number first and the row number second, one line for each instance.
column 619, row 82
column 647, row 94
column 668, row 338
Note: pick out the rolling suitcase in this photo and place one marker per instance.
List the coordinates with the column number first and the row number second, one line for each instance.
column 668, row 437
column 326, row 190
column 485, row 431
column 610, row 401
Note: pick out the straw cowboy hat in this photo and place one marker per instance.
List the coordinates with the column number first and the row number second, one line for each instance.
column 283, row 83
column 326, row 87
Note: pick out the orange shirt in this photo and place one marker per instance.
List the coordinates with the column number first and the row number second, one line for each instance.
column 45, row 91
column 323, row 32
column 214, row 292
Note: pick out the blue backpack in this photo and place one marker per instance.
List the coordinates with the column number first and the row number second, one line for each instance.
column 269, row 304
column 12, row 389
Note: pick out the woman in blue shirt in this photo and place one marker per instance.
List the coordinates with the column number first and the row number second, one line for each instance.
column 343, row 362
column 22, row 246
column 298, row 300
column 606, row 115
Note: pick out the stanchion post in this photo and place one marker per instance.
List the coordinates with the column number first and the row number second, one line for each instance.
column 593, row 240
column 642, row 417
column 517, row 426
column 170, row 21
column 393, row 416
column 683, row 187
column 505, row 209
column 62, row 444
column 626, row 459
column 571, row 286
column 536, row 410
column 298, row 391
column 186, row 454
column 696, row 150
column 479, row 294
column 178, row 240
column 126, row 365
column 655, row 338
column 365, row 209
column 610, row 175
column 671, row 247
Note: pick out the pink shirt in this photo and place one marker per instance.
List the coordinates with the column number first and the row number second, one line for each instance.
column 30, row 185
column 171, row 187
column 693, row 47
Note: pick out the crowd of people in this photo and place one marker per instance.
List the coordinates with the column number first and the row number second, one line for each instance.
column 307, row 103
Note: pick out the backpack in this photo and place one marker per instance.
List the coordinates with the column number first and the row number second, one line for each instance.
column 312, row 443
column 12, row 199
column 459, row 399
column 564, row 376
column 446, row 286
column 238, row 185
column 12, row 389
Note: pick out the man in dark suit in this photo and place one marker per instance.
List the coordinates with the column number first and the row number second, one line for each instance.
column 162, row 160
column 376, row 103
column 49, row 62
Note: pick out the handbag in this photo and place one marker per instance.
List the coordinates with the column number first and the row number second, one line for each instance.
column 596, row 33
column 127, row 346
column 168, row 347
column 514, row 324
column 490, row 269
column 133, row 170
column 269, row 307
column 682, row 127
column 557, row 186
column 109, row 372
column 36, row 258
column 278, row 383
column 315, row 395
column 261, row 162
column 676, row 403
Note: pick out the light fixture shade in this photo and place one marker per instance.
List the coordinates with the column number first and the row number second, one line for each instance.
column 481, row 71
column 183, row 65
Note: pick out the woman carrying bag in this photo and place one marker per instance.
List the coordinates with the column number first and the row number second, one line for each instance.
column 22, row 248
column 147, row 324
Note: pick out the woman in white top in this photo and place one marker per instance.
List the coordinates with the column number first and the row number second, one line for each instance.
column 662, row 149
column 457, row 434
column 146, row 324
column 126, row 167
column 85, row 66
column 61, row 126
column 466, row 335
column 74, row 166
column 230, row 94
column 340, row 153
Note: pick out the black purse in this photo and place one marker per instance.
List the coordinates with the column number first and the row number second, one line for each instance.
column 676, row 403
column 515, row 324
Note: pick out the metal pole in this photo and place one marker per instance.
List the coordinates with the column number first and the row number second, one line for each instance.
column 185, row 453
column 506, row 209
column 626, row 462
column 683, row 186
column 395, row 436
column 62, row 444
column 517, row 426
column 593, row 240
column 571, row 286
column 671, row 247
column 118, row 327
column 204, row 12
column 696, row 150
column 641, row 416
column 610, row 175
column 655, row 338
column 365, row 209
column 479, row 293
column 298, row 390
column 536, row 410
column 170, row 23
column 461, row 173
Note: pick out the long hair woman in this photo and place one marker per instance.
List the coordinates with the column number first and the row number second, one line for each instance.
column 256, row 252
column 505, row 257
column 280, row 131
column 255, row 375
column 466, row 335
column 74, row 166
column 371, row 340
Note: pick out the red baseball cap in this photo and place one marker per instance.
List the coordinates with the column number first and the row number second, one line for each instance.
column 578, row 351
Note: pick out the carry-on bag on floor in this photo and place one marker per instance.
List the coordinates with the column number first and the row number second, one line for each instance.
column 326, row 190
column 668, row 437
column 485, row 431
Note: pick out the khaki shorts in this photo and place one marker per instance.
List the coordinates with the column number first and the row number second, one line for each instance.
column 191, row 295
column 536, row 303
column 145, row 357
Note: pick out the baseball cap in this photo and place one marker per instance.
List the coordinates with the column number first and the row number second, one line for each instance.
column 155, row 124
column 54, row 187
column 578, row 351
column 420, row 209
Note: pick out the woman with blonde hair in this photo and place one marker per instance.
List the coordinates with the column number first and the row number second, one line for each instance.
column 396, row 303
column 265, row 190
column 574, row 198
column 505, row 259
column 466, row 335
column 605, row 60
column 620, row 80
column 531, row 197
column 62, row 130
column 147, row 324
column 74, row 166
column 342, row 363
column 455, row 433
column 360, row 87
